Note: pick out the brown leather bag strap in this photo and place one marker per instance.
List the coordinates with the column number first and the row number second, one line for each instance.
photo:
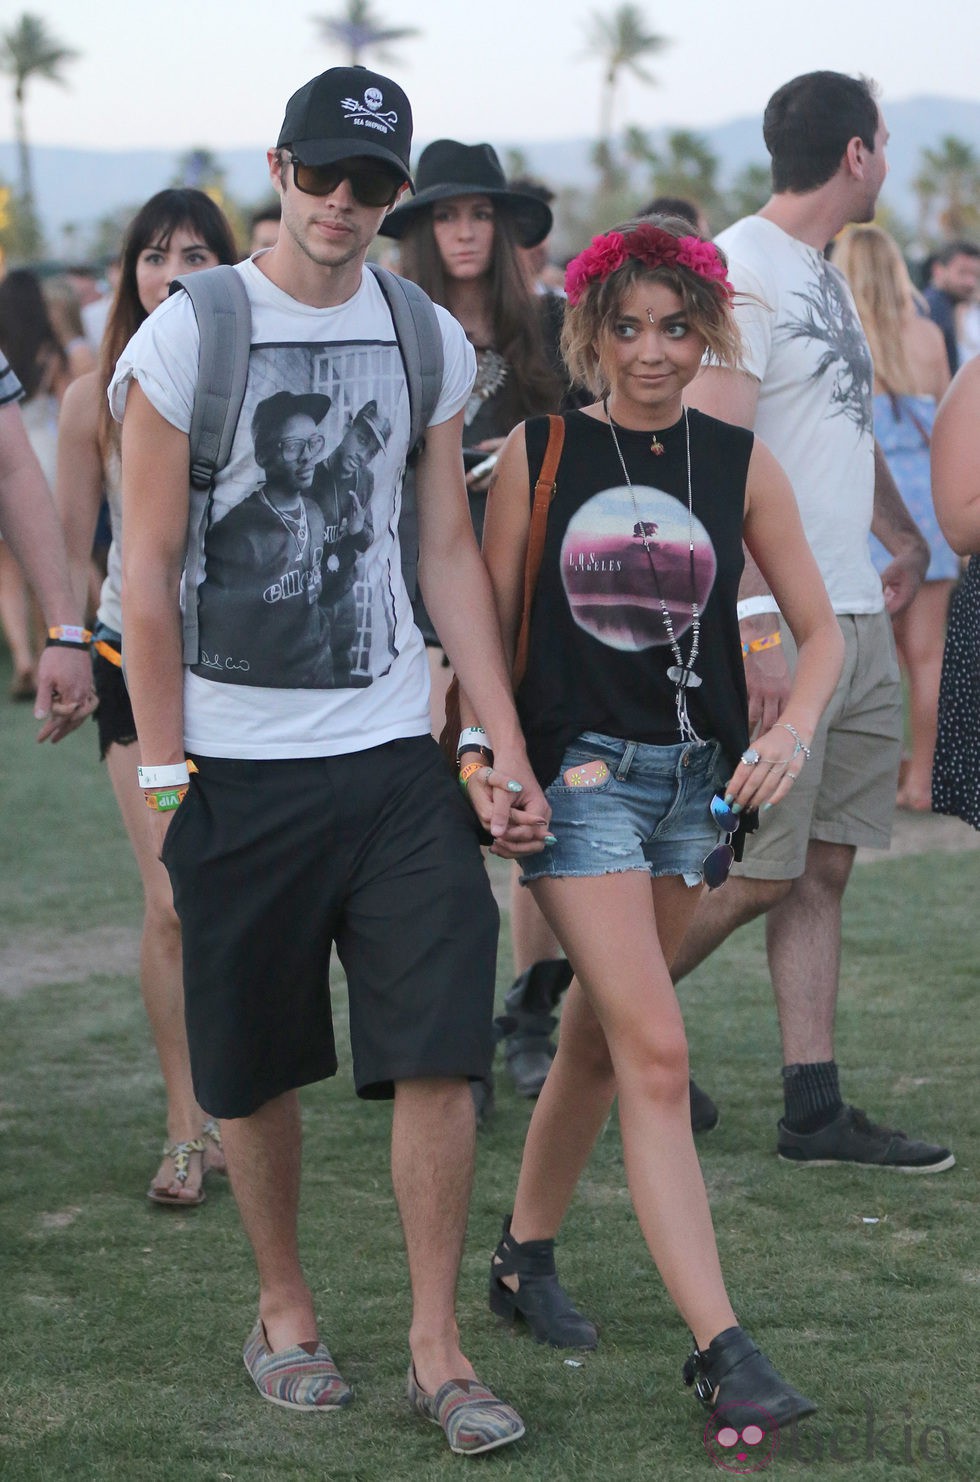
column 544, row 493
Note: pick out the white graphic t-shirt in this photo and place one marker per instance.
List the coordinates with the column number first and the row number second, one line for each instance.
column 307, row 644
column 804, row 342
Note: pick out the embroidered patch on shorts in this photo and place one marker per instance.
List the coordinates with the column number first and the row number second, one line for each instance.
column 590, row 774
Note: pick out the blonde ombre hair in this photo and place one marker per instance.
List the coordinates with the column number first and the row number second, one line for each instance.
column 597, row 302
column 886, row 300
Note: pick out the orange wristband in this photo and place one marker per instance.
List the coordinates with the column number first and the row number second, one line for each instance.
column 771, row 640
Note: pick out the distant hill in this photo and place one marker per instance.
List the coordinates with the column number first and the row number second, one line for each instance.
column 78, row 187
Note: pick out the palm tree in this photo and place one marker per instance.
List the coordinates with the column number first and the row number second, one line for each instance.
column 29, row 50
column 622, row 42
column 747, row 194
column 359, row 30
column 951, row 175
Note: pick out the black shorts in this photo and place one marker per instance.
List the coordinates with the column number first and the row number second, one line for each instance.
column 274, row 861
column 114, row 716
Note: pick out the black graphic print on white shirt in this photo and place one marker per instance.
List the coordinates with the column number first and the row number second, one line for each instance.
column 298, row 587
column 829, row 319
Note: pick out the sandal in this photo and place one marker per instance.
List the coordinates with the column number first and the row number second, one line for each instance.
column 181, row 1154
column 211, row 1134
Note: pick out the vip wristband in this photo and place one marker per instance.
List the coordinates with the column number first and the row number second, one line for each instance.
column 165, row 800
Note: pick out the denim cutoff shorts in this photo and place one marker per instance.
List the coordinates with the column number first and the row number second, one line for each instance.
column 650, row 813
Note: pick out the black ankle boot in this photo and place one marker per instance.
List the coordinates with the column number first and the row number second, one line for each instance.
column 732, row 1375
column 528, row 1051
column 527, row 1027
column 539, row 1300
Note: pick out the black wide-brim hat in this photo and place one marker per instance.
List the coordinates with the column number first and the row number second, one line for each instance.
column 447, row 169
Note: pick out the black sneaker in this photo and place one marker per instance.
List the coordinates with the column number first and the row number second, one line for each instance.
column 704, row 1113
column 851, row 1138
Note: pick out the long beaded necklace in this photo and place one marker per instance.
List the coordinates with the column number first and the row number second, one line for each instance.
column 680, row 674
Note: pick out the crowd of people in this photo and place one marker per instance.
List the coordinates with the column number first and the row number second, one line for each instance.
column 668, row 686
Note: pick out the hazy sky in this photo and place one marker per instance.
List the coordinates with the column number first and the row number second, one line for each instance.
column 218, row 72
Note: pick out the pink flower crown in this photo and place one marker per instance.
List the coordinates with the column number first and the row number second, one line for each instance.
column 650, row 245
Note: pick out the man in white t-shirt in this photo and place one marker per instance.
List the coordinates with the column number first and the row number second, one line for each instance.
column 805, row 388
column 321, row 811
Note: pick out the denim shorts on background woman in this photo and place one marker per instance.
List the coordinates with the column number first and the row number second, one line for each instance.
column 650, row 812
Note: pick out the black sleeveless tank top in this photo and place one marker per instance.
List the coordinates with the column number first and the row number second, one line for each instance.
column 599, row 653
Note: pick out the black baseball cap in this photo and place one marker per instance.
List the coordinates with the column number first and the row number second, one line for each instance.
column 348, row 112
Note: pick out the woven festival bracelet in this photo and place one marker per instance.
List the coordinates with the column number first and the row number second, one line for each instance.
column 66, row 635
column 165, row 799
column 467, row 772
column 757, row 645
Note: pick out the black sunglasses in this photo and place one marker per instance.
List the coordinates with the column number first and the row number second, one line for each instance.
column 371, row 185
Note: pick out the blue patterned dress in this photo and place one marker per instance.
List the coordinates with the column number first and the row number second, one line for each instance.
column 903, row 427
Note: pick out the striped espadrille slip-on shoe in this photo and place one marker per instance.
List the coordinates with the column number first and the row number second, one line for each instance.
column 294, row 1378
column 471, row 1416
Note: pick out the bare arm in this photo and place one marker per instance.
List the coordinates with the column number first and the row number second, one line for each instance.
column 733, row 396
column 30, row 526
column 955, row 461
column 155, row 460
column 460, row 602
column 774, row 534
column 901, row 537
column 79, row 482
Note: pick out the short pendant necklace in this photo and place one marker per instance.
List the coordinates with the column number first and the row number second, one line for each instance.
column 680, row 674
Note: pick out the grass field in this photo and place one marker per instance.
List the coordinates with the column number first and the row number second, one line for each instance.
column 123, row 1323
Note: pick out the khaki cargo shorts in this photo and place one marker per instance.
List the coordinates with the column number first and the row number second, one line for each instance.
column 846, row 791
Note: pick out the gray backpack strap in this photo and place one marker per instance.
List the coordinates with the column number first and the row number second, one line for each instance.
column 224, row 320
column 420, row 342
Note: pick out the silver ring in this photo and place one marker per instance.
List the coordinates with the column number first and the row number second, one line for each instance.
column 750, row 756
column 792, row 776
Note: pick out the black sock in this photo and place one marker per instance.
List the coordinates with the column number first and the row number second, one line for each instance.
column 811, row 1095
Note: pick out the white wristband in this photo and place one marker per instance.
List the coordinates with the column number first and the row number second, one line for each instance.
column 153, row 777
column 473, row 736
column 755, row 607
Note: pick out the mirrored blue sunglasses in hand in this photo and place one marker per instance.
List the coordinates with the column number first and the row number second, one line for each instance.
column 716, row 866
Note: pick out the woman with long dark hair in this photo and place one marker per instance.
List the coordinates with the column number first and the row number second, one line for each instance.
column 460, row 239
column 176, row 232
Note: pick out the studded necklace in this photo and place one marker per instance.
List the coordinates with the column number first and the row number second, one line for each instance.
column 680, row 674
